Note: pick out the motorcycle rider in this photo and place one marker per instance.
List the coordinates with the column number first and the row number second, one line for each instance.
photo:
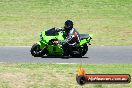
column 71, row 34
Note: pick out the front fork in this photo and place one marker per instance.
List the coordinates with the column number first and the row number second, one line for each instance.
column 41, row 44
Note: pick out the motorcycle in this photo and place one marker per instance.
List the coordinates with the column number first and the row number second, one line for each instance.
column 46, row 45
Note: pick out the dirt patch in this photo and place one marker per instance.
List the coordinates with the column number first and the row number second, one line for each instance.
column 128, row 32
column 16, row 80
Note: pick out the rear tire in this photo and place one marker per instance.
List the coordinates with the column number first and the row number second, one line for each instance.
column 35, row 50
column 75, row 54
column 81, row 51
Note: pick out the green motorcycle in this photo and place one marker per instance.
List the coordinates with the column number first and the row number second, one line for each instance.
column 46, row 45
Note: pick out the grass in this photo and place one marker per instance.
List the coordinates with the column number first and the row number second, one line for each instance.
column 109, row 21
column 55, row 75
column 21, row 22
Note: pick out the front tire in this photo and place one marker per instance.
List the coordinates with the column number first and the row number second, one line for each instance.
column 35, row 50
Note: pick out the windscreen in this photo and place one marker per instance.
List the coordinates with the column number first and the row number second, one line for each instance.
column 51, row 32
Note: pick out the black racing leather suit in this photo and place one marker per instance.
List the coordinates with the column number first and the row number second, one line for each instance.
column 72, row 38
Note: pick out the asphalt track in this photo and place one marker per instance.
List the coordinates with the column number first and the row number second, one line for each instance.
column 95, row 55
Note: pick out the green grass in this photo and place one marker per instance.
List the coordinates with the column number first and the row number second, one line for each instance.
column 56, row 75
column 110, row 21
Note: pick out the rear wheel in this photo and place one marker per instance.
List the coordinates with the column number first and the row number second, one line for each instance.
column 75, row 54
column 81, row 51
column 35, row 50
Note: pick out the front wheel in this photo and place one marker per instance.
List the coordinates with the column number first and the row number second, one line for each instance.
column 35, row 50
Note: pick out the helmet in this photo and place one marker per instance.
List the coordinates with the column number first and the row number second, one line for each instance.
column 68, row 24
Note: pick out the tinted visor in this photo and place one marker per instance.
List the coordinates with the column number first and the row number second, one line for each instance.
column 67, row 26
